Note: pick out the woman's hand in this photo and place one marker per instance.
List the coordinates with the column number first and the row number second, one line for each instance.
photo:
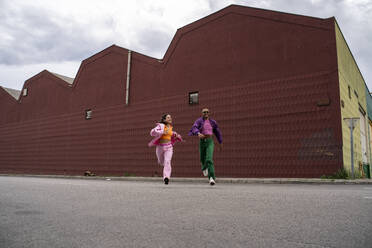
column 201, row 136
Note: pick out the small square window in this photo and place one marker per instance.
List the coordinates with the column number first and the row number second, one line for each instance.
column 193, row 97
column 88, row 114
column 24, row 92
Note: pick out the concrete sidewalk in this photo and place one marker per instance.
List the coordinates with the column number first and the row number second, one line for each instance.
column 204, row 180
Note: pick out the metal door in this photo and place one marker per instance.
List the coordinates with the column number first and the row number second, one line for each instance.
column 363, row 137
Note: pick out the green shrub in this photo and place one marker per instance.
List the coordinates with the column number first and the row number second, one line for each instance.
column 340, row 174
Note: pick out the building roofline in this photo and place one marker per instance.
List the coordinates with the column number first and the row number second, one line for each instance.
column 278, row 16
column 231, row 9
column 347, row 45
column 15, row 94
column 64, row 78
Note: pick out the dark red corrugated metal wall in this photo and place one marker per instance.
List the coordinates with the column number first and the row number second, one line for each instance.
column 261, row 73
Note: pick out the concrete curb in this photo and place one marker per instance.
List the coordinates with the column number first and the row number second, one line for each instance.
column 204, row 180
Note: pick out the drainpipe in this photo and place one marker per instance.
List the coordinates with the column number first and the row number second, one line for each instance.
column 128, row 78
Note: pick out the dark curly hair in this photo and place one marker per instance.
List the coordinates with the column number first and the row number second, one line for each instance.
column 163, row 117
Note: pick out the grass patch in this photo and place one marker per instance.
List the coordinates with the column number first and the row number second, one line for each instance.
column 340, row 174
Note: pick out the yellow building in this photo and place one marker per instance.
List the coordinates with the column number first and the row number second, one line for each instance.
column 353, row 105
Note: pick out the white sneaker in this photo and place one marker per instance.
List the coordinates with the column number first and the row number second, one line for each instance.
column 211, row 181
column 205, row 172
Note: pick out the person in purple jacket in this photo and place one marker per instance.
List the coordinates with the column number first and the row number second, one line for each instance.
column 204, row 128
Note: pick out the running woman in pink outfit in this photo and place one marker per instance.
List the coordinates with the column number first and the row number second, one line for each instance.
column 164, row 140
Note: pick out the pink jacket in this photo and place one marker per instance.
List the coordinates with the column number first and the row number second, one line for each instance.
column 158, row 131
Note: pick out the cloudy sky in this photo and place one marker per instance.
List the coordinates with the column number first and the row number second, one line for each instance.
column 57, row 35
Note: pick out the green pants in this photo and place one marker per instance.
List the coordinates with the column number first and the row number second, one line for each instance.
column 206, row 147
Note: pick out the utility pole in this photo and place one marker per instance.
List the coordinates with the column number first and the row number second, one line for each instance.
column 351, row 122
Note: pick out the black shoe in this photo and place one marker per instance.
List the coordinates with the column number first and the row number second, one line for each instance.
column 166, row 180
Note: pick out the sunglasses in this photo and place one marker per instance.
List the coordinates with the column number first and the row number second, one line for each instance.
column 205, row 112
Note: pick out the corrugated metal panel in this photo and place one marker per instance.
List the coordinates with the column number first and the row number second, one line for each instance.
column 270, row 129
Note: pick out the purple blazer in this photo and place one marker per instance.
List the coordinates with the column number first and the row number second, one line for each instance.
column 198, row 126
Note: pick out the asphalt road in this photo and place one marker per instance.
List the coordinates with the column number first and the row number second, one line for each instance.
column 48, row 212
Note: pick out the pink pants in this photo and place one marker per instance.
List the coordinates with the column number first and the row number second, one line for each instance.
column 164, row 154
